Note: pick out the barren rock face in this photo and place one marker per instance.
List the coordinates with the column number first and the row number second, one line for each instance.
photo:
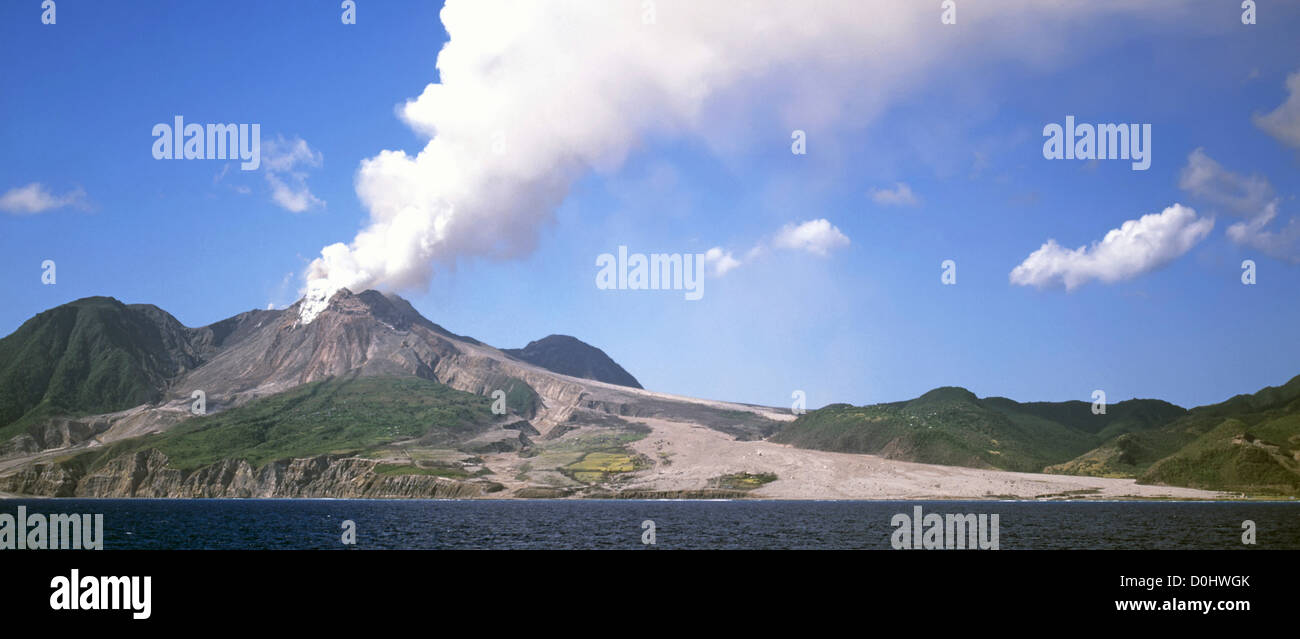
column 145, row 475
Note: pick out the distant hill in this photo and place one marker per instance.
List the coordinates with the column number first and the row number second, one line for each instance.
column 950, row 425
column 1250, row 443
column 571, row 356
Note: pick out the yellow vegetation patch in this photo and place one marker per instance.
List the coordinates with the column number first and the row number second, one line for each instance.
column 604, row 463
column 594, row 467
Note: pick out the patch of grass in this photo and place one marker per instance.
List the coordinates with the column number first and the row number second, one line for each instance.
column 600, row 466
column 604, row 463
column 598, row 440
column 742, row 481
column 337, row 416
column 521, row 398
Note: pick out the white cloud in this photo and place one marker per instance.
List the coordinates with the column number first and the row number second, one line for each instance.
column 1283, row 245
column 35, row 198
column 1203, row 177
column 1136, row 247
column 283, row 161
column 900, row 195
column 1250, row 197
column 721, row 261
column 1283, row 122
column 534, row 95
column 818, row 237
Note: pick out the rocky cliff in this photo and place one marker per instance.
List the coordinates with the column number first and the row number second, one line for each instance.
column 145, row 474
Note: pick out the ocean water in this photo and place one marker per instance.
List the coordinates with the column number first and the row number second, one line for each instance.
column 617, row 524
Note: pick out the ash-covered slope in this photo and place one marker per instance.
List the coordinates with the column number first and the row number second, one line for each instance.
column 569, row 355
column 373, row 333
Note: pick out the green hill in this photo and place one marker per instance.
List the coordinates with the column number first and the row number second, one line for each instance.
column 94, row 355
column 1134, row 415
column 1250, row 443
column 952, row 426
column 1231, row 458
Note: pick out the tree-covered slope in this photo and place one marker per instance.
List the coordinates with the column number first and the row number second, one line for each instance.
column 94, row 355
column 947, row 425
column 337, row 416
column 1248, row 443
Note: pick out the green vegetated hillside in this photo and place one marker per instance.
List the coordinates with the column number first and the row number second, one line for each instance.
column 952, row 426
column 521, row 398
column 1134, row 415
column 337, row 416
column 1250, row 443
column 94, row 355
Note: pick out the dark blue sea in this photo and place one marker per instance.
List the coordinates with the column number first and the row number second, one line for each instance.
column 599, row 524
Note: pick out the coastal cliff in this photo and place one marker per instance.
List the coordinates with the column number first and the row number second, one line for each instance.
column 145, row 474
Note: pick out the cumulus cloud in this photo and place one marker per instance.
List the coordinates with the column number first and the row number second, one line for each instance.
column 900, row 195
column 35, row 198
column 1250, row 197
column 818, row 237
column 284, row 163
column 533, row 95
column 1136, row 247
column 1283, row 122
column 720, row 261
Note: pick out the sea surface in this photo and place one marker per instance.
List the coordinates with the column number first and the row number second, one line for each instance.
column 618, row 524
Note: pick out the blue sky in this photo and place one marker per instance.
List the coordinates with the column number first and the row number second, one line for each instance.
column 865, row 322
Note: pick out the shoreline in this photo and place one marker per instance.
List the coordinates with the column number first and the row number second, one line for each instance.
column 755, row 499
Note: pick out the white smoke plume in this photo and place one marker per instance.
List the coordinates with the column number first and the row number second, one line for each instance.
column 533, row 95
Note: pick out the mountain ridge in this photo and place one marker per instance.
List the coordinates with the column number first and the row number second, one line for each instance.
column 258, row 354
column 556, row 427
column 569, row 355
